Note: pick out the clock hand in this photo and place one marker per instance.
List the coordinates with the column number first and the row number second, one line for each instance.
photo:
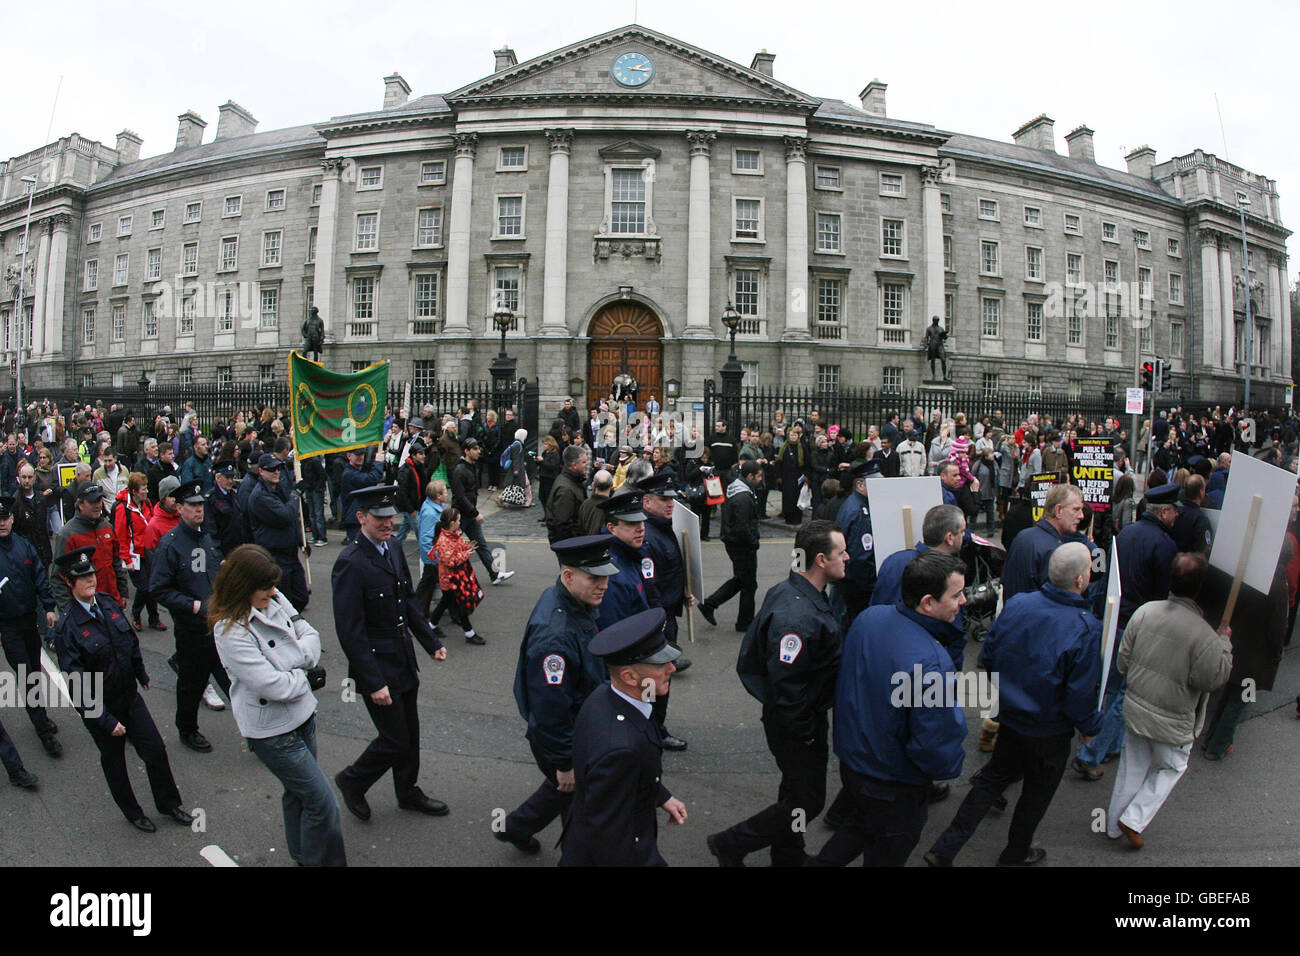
column 643, row 69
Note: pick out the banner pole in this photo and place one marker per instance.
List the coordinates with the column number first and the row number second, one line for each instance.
column 690, row 618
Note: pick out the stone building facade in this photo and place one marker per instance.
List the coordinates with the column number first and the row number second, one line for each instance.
column 615, row 196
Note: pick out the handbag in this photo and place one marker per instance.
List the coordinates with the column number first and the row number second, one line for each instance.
column 512, row 496
column 465, row 588
column 805, row 497
column 713, row 490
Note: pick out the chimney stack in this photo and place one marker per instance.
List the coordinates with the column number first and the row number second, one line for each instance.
column 396, row 90
column 762, row 63
column 1037, row 134
column 128, row 147
column 1080, row 143
column 1140, row 161
column 190, row 131
column 873, row 98
column 505, row 59
column 234, row 121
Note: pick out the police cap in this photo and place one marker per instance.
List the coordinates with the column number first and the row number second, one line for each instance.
column 624, row 506
column 378, row 501
column 588, row 553
column 76, row 563
column 6, row 506
column 639, row 639
column 191, row 493
column 226, row 468
column 1163, row 494
column 865, row 469
column 660, row 485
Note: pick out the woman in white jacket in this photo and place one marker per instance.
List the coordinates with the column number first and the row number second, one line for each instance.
column 272, row 654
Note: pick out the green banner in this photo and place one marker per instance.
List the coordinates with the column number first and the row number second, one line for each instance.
column 335, row 411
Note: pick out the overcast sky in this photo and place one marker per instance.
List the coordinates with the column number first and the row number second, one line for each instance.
column 1136, row 72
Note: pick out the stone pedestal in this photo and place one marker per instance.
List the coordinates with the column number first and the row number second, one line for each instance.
column 938, row 395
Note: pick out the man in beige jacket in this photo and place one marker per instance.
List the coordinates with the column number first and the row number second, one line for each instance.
column 1173, row 660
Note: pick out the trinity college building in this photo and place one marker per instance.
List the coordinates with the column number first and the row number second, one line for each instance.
column 615, row 196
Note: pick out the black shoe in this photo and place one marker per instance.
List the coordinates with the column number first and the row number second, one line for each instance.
column 352, row 799
column 180, row 815
column 834, row 822
column 1036, row 855
column 52, row 746
column 475, row 639
column 197, row 742
column 741, row 628
column 144, row 823
column 999, row 805
column 673, row 743
column 528, row 845
column 707, row 613
column 937, row 792
column 23, row 778
column 721, row 853
column 50, row 726
column 932, row 859
column 437, row 631
column 176, row 667
column 681, row 664
column 425, row 804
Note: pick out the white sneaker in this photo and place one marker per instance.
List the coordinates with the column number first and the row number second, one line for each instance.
column 212, row 699
column 503, row 576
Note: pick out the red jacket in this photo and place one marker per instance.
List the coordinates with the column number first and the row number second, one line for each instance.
column 130, row 523
column 79, row 533
column 160, row 522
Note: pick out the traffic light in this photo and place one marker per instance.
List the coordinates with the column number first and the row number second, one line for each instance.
column 1148, row 374
column 1164, row 375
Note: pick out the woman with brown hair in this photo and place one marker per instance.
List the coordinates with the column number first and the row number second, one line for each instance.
column 272, row 655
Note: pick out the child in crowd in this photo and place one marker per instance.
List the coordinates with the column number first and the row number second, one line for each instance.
column 461, row 593
column 430, row 511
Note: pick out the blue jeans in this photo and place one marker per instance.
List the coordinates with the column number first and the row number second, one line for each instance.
column 1111, row 736
column 316, row 509
column 408, row 525
column 474, row 531
column 312, row 828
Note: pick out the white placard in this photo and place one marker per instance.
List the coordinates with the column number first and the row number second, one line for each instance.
column 1110, row 623
column 687, row 522
column 1135, row 400
column 886, row 497
column 1276, row 486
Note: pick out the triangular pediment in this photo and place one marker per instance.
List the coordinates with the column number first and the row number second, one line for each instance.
column 628, row 149
column 584, row 71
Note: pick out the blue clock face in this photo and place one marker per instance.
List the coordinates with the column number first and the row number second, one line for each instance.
column 632, row 69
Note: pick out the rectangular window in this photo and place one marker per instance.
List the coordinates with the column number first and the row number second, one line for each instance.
column 189, row 310
column 423, row 375
column 828, row 232
column 1142, row 238
column 827, row 177
column 1111, row 268
column 185, row 377
column 891, row 184
column 118, row 330
column 1033, row 216
column 311, row 244
column 627, row 209
column 1175, row 248
column 748, row 218
column 1175, row 288
column 190, row 259
column 427, row 321
column 428, row 227
column 92, row 275
column 275, row 199
column 990, row 383
column 316, row 191
column 991, row 317
column 1034, row 322
column 235, row 205
column 225, row 376
column 950, row 313
column 226, row 312
column 433, row 171
column 360, row 365
column 149, row 325
column 1109, row 232
column 1144, row 282
column 1034, row 386
column 891, row 378
column 157, row 218
column 1144, row 337
column 893, row 238
column 1033, row 262
column 1112, row 328
column 510, row 216
column 266, row 374
column 750, row 377
column 363, row 307
column 87, row 379
column 1176, row 339
column 367, row 232
column 747, row 161
column 271, row 247
column 1072, row 224
column 745, row 286
column 947, row 253
column 229, row 253
column 892, row 303
column 121, row 268
column 513, row 157
column 193, row 211
column 828, row 378
column 988, row 209
column 1074, row 325
column 370, row 177
column 1074, row 269
column 1074, row 389
column 830, row 294
column 92, row 234
column 124, row 225
column 153, row 264
column 505, row 287
column 87, row 327
column 989, row 260
column 270, row 309
column 945, row 202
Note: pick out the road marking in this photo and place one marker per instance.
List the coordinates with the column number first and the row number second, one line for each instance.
column 216, row 856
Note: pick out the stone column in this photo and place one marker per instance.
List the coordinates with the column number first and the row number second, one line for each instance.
column 698, row 324
column 932, row 215
column 58, row 274
column 1229, row 342
column 1211, row 304
column 1275, row 295
column 462, row 193
column 554, row 319
column 40, row 288
column 1284, row 329
column 796, row 238
column 326, row 246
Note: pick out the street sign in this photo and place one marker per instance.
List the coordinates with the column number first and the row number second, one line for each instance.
column 1135, row 400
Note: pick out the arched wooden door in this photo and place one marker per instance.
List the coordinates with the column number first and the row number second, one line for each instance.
column 625, row 337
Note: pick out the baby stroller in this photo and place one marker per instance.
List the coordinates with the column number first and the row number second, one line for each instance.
column 984, row 559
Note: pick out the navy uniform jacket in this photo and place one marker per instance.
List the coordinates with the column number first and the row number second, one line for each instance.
column 28, row 587
column 906, row 743
column 246, row 487
column 669, row 570
column 276, row 523
column 1045, row 647
column 1026, row 566
column 617, row 764
column 633, row 589
column 1146, row 553
column 1192, row 530
column 174, row 580
column 108, row 647
column 790, row 655
column 227, row 521
column 854, row 518
column 889, row 591
column 556, row 672
column 350, row 481
column 375, row 614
